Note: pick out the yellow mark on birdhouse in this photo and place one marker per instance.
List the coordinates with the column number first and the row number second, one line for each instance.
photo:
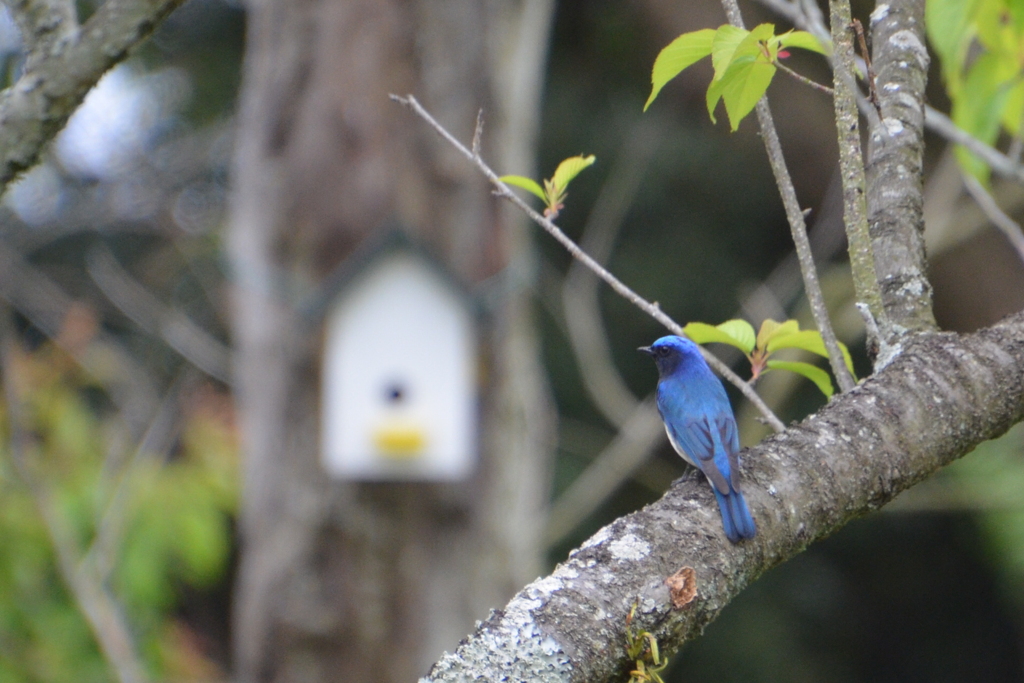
column 400, row 441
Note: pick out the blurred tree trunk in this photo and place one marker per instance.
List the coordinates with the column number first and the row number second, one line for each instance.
column 370, row 582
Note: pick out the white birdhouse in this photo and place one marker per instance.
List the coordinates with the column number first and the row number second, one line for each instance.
column 399, row 383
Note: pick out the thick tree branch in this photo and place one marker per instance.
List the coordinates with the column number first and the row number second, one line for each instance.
column 895, row 152
column 44, row 25
column 934, row 403
column 35, row 108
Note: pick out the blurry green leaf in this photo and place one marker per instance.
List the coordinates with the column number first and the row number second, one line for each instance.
column 201, row 540
column 702, row 333
column 978, row 107
column 949, row 27
column 527, row 184
column 676, row 56
column 1013, row 109
column 771, row 328
column 993, row 31
column 176, row 525
column 811, row 372
column 569, row 169
column 801, row 39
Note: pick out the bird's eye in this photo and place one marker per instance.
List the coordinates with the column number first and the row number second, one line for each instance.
column 662, row 350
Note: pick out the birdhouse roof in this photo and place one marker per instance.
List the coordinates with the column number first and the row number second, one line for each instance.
column 374, row 250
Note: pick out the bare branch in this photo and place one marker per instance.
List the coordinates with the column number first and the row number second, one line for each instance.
column 47, row 306
column 797, row 226
column 651, row 309
column 1009, row 227
column 179, row 332
column 35, row 108
column 157, row 442
column 803, row 79
column 1001, row 165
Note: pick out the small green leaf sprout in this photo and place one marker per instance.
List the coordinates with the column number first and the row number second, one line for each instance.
column 554, row 192
column 642, row 648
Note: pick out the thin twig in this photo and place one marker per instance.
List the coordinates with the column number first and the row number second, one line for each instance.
column 1016, row 148
column 1001, row 165
column 797, row 226
column 478, row 132
column 803, row 79
column 176, row 329
column 869, row 70
column 999, row 218
column 652, row 309
column 157, row 442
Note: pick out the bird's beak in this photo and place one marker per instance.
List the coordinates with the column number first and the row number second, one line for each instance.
column 646, row 349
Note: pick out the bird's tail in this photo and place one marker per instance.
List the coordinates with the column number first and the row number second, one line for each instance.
column 736, row 516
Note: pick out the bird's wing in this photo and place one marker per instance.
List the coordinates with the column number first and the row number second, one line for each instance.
column 701, row 441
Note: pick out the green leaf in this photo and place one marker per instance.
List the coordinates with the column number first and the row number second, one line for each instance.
column 770, row 328
column 950, row 26
column 526, row 183
column 702, row 333
column 569, row 169
column 750, row 45
column 714, row 94
column 723, row 47
column 978, row 105
column 801, row 39
column 677, row 55
column 808, row 340
column 992, row 29
column 811, row 372
column 1013, row 110
column 741, row 331
column 742, row 71
column 742, row 90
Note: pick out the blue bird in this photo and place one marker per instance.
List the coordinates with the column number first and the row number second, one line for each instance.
column 701, row 426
